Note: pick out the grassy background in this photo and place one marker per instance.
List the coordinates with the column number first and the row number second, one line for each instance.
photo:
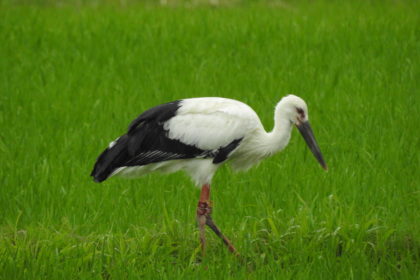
column 72, row 77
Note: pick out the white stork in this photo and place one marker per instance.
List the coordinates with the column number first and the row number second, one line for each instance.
column 198, row 135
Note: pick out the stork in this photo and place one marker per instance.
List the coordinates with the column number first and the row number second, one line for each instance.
column 198, row 135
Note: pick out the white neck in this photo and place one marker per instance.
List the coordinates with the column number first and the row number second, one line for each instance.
column 277, row 139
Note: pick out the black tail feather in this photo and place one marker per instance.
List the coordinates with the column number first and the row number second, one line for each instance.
column 110, row 159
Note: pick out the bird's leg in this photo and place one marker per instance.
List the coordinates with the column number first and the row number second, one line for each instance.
column 204, row 218
column 203, row 210
column 217, row 231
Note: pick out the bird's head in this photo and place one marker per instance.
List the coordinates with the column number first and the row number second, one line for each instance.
column 295, row 110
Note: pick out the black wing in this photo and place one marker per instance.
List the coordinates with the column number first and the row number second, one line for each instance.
column 147, row 142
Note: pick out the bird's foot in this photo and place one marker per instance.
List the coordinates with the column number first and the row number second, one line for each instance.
column 204, row 211
column 216, row 230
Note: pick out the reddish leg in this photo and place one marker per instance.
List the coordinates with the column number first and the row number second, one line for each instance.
column 204, row 218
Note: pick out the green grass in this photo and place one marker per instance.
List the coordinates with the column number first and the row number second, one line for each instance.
column 73, row 77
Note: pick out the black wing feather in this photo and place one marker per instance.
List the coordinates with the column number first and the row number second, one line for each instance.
column 109, row 159
column 223, row 152
column 159, row 114
column 147, row 142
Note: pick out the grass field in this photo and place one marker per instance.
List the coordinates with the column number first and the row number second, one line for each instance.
column 72, row 77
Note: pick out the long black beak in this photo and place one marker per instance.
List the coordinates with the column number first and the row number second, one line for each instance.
column 306, row 131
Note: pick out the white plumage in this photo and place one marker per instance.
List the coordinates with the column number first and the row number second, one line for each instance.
column 198, row 135
column 210, row 123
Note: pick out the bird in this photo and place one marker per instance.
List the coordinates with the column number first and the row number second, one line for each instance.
column 199, row 135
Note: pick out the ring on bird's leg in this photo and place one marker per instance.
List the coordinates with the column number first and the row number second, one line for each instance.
column 204, row 208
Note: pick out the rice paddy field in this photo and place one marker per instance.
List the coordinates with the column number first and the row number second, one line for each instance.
column 74, row 74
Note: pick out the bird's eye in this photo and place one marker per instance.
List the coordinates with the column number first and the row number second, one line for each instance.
column 300, row 112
